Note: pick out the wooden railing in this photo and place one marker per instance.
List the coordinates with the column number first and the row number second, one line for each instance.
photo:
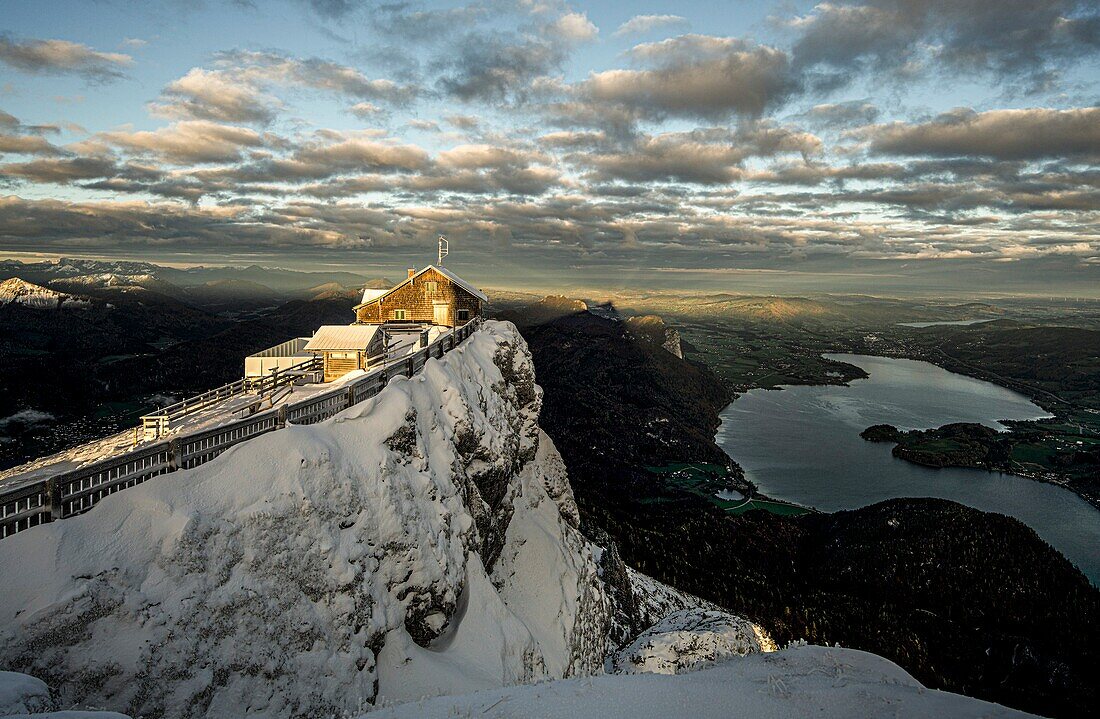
column 72, row 492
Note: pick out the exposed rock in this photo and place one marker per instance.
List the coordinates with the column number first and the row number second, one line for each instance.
column 654, row 329
column 686, row 639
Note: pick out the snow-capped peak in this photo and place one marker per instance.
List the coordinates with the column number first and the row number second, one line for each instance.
column 18, row 291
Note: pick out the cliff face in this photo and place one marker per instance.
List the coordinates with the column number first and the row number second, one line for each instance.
column 422, row 542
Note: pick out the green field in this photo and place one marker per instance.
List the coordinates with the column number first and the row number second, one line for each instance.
column 705, row 480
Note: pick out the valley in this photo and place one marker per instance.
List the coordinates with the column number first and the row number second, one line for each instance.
column 923, row 582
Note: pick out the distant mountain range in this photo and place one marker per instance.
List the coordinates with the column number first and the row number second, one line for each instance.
column 274, row 278
column 233, row 290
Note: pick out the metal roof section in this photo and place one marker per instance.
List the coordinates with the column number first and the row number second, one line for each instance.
column 341, row 337
column 290, row 348
column 441, row 270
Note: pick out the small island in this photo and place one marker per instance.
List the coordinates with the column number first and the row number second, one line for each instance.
column 1025, row 449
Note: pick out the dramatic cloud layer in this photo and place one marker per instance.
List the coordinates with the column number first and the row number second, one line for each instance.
column 849, row 133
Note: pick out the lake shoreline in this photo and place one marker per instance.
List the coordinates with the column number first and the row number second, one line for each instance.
column 977, row 450
column 1056, row 406
column 803, row 446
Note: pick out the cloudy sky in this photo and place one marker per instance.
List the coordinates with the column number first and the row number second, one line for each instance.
column 951, row 145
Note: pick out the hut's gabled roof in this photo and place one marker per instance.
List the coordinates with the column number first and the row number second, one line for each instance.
column 441, row 270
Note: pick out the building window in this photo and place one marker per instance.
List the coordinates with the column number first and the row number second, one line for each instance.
column 432, row 288
column 399, row 314
column 463, row 315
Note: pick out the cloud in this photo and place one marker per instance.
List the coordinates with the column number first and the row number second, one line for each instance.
column 641, row 24
column 19, row 139
column 189, row 141
column 463, row 122
column 331, row 9
column 26, row 145
column 315, row 73
column 491, row 156
column 237, row 90
column 366, row 110
column 132, row 224
column 61, row 170
column 494, row 66
column 695, row 76
column 1029, row 40
column 206, row 95
column 327, row 154
column 498, row 66
column 574, row 27
column 1024, row 134
column 398, row 20
column 842, row 114
column 62, row 57
column 705, row 156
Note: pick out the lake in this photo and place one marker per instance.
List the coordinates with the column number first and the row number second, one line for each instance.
column 802, row 444
column 957, row 323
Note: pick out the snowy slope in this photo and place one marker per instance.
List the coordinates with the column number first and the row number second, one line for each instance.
column 21, row 292
column 21, row 695
column 421, row 542
column 804, row 681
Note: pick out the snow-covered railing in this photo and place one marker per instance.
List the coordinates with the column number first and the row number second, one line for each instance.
column 157, row 424
column 76, row 491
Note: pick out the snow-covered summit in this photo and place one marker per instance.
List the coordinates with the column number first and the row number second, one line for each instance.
column 422, row 542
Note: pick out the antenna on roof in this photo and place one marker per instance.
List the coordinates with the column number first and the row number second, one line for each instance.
column 443, row 248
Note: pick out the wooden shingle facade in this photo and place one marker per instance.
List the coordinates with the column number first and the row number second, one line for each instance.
column 433, row 295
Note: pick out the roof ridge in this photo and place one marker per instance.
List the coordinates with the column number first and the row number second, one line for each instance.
column 446, row 272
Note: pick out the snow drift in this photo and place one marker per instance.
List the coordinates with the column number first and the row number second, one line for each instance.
column 422, row 542
column 803, row 681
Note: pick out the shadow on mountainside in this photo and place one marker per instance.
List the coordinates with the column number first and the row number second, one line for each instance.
column 966, row 601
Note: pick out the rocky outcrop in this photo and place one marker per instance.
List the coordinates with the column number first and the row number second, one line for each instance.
column 654, row 329
column 689, row 638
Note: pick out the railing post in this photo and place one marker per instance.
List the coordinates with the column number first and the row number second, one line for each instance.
column 175, row 459
column 280, row 420
column 53, row 497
